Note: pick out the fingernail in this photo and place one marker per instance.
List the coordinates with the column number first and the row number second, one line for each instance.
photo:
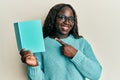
column 56, row 38
column 30, row 51
column 23, row 49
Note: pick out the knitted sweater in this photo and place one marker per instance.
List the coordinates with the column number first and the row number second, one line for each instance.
column 53, row 65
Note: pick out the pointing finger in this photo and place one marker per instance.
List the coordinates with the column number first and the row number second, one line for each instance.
column 60, row 41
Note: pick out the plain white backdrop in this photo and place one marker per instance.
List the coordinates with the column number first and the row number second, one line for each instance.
column 98, row 20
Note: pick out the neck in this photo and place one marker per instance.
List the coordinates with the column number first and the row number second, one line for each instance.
column 60, row 36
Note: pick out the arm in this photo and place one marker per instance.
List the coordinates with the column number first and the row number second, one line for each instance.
column 87, row 63
column 34, row 62
column 36, row 73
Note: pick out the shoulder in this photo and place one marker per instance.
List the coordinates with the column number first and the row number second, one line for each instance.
column 84, row 42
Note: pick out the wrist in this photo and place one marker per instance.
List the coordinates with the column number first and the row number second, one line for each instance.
column 73, row 54
column 33, row 65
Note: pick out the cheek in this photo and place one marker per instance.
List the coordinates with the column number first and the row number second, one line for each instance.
column 58, row 23
column 72, row 26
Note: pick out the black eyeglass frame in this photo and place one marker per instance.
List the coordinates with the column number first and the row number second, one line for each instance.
column 63, row 18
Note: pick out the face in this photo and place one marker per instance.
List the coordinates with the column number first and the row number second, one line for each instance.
column 64, row 21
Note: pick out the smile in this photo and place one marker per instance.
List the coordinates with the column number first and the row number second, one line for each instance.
column 64, row 28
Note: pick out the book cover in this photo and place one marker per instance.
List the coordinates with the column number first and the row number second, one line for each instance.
column 29, row 35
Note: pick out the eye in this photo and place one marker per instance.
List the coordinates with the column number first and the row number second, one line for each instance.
column 62, row 17
column 71, row 18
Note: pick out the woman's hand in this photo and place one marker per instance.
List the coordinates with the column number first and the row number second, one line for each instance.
column 67, row 49
column 28, row 58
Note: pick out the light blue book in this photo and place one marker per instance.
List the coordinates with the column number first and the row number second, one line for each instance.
column 29, row 35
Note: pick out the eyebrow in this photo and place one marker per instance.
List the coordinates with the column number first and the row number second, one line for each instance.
column 65, row 15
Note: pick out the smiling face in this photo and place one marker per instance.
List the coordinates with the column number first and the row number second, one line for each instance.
column 64, row 22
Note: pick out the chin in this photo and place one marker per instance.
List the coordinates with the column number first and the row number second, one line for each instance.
column 65, row 33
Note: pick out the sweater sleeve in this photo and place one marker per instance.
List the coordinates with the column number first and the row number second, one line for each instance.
column 87, row 63
column 36, row 73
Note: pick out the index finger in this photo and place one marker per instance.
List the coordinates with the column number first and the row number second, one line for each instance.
column 60, row 41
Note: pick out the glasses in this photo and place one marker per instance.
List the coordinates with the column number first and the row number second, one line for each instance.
column 63, row 18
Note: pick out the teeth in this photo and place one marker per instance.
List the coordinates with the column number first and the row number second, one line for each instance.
column 65, row 28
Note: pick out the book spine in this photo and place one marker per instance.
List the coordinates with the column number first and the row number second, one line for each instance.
column 17, row 33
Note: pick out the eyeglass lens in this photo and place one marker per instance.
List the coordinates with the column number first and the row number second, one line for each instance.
column 64, row 18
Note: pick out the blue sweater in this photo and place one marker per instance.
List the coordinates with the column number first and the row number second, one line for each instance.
column 53, row 65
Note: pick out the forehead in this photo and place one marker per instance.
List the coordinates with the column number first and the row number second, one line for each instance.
column 66, row 11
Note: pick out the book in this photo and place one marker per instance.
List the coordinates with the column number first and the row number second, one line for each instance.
column 29, row 35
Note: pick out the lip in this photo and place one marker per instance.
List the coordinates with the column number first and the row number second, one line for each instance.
column 65, row 28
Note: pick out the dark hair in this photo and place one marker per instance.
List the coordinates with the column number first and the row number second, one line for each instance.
column 49, row 24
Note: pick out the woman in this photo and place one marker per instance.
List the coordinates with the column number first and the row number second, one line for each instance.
column 68, row 56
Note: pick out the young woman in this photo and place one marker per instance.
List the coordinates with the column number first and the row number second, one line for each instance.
column 68, row 55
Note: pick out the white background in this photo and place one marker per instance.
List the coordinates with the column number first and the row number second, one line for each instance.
column 99, row 23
